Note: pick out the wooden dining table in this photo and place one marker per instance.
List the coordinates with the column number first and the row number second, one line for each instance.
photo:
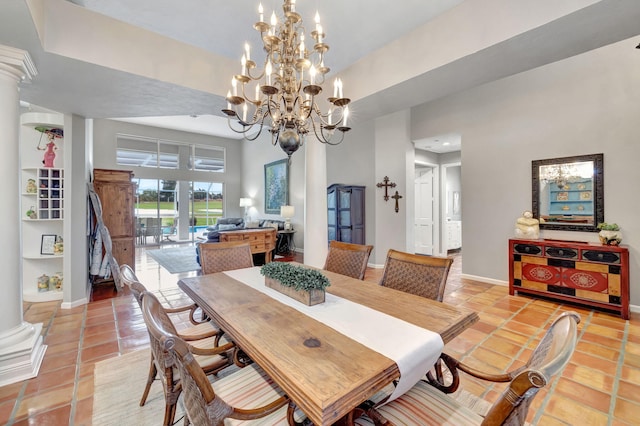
column 326, row 373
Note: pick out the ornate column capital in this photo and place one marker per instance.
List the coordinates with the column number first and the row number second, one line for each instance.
column 17, row 62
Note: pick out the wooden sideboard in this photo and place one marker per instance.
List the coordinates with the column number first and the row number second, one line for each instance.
column 591, row 274
column 262, row 240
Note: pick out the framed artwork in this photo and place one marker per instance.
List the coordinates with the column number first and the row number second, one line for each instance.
column 47, row 245
column 562, row 196
column 276, row 186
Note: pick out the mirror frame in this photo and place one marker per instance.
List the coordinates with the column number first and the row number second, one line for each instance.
column 598, row 191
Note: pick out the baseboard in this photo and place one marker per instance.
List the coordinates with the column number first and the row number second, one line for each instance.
column 484, row 280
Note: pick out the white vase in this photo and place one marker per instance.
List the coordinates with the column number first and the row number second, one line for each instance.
column 610, row 238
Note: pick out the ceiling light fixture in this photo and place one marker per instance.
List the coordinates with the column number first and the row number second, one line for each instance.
column 285, row 95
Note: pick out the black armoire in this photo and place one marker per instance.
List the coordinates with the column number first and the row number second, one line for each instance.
column 345, row 205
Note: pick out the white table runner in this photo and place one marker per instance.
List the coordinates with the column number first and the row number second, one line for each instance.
column 414, row 349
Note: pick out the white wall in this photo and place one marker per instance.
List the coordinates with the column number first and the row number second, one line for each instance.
column 582, row 105
column 254, row 155
column 353, row 163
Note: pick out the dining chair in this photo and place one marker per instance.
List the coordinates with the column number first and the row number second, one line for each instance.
column 212, row 356
column 347, row 259
column 417, row 274
column 225, row 256
column 199, row 326
column 425, row 404
column 244, row 394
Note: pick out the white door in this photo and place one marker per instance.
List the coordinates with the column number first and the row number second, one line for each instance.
column 424, row 212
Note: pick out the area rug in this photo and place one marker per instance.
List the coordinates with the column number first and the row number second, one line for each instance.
column 175, row 260
column 118, row 384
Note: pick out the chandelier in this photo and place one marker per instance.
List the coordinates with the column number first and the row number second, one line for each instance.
column 283, row 96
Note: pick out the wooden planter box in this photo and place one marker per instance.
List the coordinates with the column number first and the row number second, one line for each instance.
column 309, row 298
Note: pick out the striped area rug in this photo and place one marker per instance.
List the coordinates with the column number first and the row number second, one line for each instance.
column 118, row 385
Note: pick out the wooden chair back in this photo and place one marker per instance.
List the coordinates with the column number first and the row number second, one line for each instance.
column 348, row 259
column 417, row 274
column 130, row 279
column 426, row 404
column 201, row 403
column 225, row 256
column 548, row 358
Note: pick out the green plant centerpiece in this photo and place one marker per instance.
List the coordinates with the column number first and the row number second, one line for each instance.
column 302, row 284
column 609, row 234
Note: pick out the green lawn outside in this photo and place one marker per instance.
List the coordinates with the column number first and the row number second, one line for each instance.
column 203, row 217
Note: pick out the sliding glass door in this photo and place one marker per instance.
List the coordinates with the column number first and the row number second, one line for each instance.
column 160, row 218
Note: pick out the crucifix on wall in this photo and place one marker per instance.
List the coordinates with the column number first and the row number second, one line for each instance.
column 396, row 197
column 386, row 185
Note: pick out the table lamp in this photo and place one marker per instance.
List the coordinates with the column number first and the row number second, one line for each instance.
column 246, row 203
column 287, row 212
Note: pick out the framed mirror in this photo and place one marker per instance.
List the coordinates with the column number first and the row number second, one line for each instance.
column 568, row 193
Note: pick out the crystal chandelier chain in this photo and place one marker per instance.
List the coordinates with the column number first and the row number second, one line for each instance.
column 284, row 93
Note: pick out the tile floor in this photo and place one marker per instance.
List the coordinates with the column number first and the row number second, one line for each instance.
column 600, row 386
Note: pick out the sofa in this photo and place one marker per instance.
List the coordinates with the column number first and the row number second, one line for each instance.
column 212, row 233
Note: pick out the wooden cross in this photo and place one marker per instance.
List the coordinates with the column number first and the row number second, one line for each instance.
column 397, row 197
column 386, row 185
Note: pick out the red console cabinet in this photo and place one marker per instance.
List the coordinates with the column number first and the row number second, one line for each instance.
column 591, row 274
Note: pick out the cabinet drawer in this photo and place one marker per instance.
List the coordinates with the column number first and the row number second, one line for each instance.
column 527, row 249
column 257, row 247
column 563, row 252
column 601, row 256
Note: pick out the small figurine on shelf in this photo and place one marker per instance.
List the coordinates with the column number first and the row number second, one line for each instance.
column 31, row 213
column 43, row 283
column 31, row 186
column 527, row 227
column 55, row 282
column 58, row 247
column 50, row 147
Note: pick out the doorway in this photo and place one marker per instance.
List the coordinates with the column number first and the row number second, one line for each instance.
column 426, row 208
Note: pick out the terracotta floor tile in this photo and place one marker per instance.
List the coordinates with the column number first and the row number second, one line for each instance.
column 592, row 362
column 502, row 346
column 100, row 319
column 573, row 413
column 57, row 416
column 630, row 391
column 615, row 344
column 589, row 377
column 632, row 360
column 517, row 338
column 99, row 351
column 44, row 401
column 490, row 358
column 6, row 408
column 601, row 330
column 48, row 379
column 627, row 411
column 85, row 388
column 598, row 350
column 583, row 394
column 630, row 374
column 97, row 329
column 62, row 347
column 84, row 411
column 632, row 348
column 10, row 392
column 56, row 361
column 99, row 338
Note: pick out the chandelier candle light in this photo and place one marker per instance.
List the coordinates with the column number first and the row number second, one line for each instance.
column 284, row 98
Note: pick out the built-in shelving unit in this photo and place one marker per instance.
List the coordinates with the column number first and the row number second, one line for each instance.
column 42, row 207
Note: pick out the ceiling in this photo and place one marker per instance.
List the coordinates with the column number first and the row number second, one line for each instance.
column 357, row 31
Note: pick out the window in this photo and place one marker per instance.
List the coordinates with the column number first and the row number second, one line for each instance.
column 138, row 151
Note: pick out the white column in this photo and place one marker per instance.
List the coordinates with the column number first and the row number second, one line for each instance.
column 21, row 348
column 315, row 199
